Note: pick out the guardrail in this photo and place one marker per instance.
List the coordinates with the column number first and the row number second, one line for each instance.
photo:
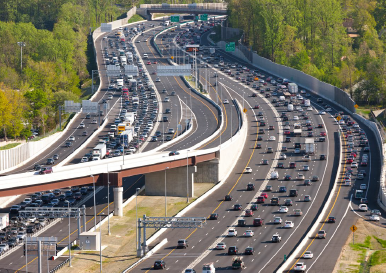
column 59, row 266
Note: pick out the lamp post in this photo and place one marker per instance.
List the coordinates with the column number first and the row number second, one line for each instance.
column 21, row 44
column 108, row 201
column 100, row 241
column 166, row 204
column 136, row 216
column 93, row 182
column 187, row 176
column 69, row 232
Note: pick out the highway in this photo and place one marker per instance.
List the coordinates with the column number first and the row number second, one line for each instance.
column 202, row 241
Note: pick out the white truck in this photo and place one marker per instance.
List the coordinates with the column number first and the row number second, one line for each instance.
column 127, row 136
column 99, row 151
column 4, row 220
column 274, row 175
column 212, row 51
column 130, row 118
column 293, row 88
column 310, row 146
column 290, row 107
column 307, row 103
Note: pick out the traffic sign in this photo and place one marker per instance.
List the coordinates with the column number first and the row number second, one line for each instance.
column 338, row 118
column 175, row 18
column 204, row 17
column 172, row 57
column 356, row 105
column 230, row 46
column 353, row 228
column 245, row 110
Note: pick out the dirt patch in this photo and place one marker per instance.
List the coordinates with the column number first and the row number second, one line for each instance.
column 368, row 252
column 120, row 251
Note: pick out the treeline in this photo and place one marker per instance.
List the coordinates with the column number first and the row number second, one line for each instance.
column 54, row 63
column 312, row 36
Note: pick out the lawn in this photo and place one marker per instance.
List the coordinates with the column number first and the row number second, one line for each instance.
column 9, row 146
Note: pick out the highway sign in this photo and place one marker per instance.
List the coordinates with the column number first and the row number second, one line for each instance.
column 356, row 105
column 204, row 17
column 89, row 106
column 106, row 27
column 70, row 106
column 175, row 18
column 338, row 118
column 245, row 110
column 177, row 70
column 172, row 57
column 353, row 228
column 230, row 47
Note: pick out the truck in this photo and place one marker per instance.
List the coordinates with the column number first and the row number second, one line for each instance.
column 129, row 56
column 292, row 88
column 290, row 107
column 310, row 146
column 212, row 51
column 99, row 151
column 130, row 118
column 307, row 103
column 297, row 129
column 127, row 136
column 4, row 220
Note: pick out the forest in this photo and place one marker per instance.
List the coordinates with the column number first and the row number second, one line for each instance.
column 341, row 42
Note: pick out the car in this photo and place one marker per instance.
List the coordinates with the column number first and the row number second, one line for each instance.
column 306, row 168
column 315, row 178
column 159, row 264
column 213, row 216
column 249, row 233
column 265, row 162
column 354, row 165
column 45, row 170
column 248, row 170
column 232, row 232
column 280, row 165
column 300, row 267
column 272, row 138
column 277, row 220
column 282, row 189
column 283, row 156
column 321, row 234
column 363, row 207
column 4, row 248
column 308, row 255
column 362, row 186
column 257, row 222
column 237, row 207
column 94, row 121
column 248, row 213
column 249, row 251
column 250, row 187
column 283, row 209
column 268, row 188
column 228, row 197
column 376, row 212
column 374, row 217
column 221, row 245
column 307, row 198
column 182, row 243
column 288, row 202
column 288, row 224
column 174, row 153
column 322, row 157
column 233, row 250
column 276, row 238
column 226, row 101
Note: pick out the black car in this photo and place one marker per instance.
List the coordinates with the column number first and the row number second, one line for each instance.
column 228, row 198
column 68, row 194
column 241, row 223
column 322, row 157
column 331, row 219
column 12, row 242
column 62, row 197
column 249, row 251
column 254, row 207
column 213, row 216
column 31, row 229
column 159, row 264
column 250, row 187
column 174, row 153
column 57, row 192
column 232, row 250
column 237, row 207
column 37, row 167
column 78, row 196
column 83, row 190
column 72, row 201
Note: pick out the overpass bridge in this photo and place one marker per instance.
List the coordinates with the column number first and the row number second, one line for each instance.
column 146, row 10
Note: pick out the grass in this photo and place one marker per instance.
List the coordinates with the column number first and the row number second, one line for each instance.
column 360, row 246
column 191, row 81
column 9, row 146
column 158, row 15
column 135, row 18
column 377, row 258
column 380, row 241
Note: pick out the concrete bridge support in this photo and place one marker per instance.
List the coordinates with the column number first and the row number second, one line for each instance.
column 118, row 201
column 208, row 172
column 177, row 181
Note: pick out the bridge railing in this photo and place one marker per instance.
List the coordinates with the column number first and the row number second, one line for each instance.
column 201, row 6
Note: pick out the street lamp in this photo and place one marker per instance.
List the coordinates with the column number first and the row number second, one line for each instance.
column 108, row 201
column 187, row 176
column 93, row 182
column 166, row 206
column 136, row 217
column 100, row 241
column 21, row 44
column 69, row 232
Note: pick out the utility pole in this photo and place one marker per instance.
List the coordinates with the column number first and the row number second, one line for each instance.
column 21, row 44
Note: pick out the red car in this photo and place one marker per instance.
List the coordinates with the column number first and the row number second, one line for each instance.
column 256, row 107
column 248, row 213
column 287, row 132
column 260, row 199
column 148, row 62
column 155, row 62
column 349, row 160
column 264, row 194
column 364, row 163
column 323, row 134
column 354, row 154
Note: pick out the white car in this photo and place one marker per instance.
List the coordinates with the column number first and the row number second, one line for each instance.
column 354, row 165
column 363, row 187
column 374, row 217
column 282, row 156
column 248, row 170
column 288, row 224
column 232, row 232
column 272, row 138
column 283, row 209
column 226, row 101
column 249, row 233
column 32, row 219
column 309, row 108
column 94, row 121
column 82, row 125
column 157, row 79
column 300, row 267
column 84, row 159
column 296, row 118
column 166, row 99
column 308, row 255
column 363, row 207
column 301, row 176
column 221, row 245
column 3, row 248
column 21, row 236
column 322, row 113
column 71, row 138
column 277, row 220
column 132, row 149
column 306, row 168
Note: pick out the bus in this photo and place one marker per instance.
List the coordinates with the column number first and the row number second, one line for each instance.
column 358, row 194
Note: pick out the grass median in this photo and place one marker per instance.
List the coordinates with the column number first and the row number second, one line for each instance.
column 120, row 250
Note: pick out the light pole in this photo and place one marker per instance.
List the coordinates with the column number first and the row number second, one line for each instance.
column 93, row 182
column 166, row 206
column 108, row 201
column 136, row 216
column 21, row 44
column 100, row 241
column 69, row 232
column 187, row 176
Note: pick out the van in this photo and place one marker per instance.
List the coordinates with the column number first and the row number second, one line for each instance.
column 145, row 56
column 274, row 175
column 293, row 193
column 290, row 107
column 166, row 23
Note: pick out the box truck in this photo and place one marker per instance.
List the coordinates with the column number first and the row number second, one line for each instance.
column 4, row 220
column 293, row 88
column 310, row 148
column 99, row 151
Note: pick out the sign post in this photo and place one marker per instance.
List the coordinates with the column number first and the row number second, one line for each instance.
column 353, row 229
column 229, row 47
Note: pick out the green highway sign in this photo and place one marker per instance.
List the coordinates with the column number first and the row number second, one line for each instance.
column 196, row 18
column 204, row 17
column 175, row 18
column 230, row 46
